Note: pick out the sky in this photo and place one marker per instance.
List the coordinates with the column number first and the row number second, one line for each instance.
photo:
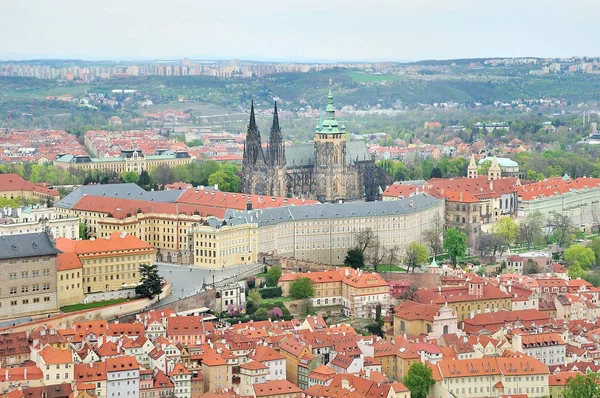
column 301, row 31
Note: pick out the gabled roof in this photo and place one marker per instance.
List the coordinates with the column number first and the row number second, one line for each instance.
column 266, row 353
column 53, row 356
column 116, row 241
column 126, row 362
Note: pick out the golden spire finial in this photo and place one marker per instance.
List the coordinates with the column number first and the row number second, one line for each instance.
column 330, row 81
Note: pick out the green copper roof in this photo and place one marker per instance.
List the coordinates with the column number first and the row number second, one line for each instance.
column 329, row 125
column 433, row 264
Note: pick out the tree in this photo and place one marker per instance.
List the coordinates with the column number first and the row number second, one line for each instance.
column 419, row 380
column 488, row 244
column 251, row 282
column 410, row 294
column 377, row 255
column 82, row 231
column 354, row 258
column 583, row 386
column 144, row 180
column 595, row 246
column 455, row 244
column 366, row 239
column 507, row 228
column 151, row 282
column 416, row 255
column 575, row 271
column 531, row 267
column 436, row 172
column 221, row 179
column 561, row 228
column 162, row 175
column 273, row 275
column 275, row 313
column 255, row 297
column 130, row 176
column 251, row 307
column 580, row 255
column 302, row 288
column 530, row 229
column 261, row 314
column 433, row 235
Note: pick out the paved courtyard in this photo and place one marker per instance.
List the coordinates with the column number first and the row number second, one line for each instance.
column 188, row 279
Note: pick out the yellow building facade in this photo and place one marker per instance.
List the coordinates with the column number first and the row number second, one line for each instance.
column 69, row 280
column 225, row 246
column 111, row 263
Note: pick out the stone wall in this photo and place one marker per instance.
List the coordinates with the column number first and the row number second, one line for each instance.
column 423, row 280
column 206, row 299
column 64, row 321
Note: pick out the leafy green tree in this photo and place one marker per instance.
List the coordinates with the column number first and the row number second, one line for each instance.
column 151, row 282
column 162, row 175
column 595, row 246
column 419, row 380
column 508, row 228
column 273, row 276
column 354, row 258
column 221, row 179
column 530, row 229
column 255, row 297
column 144, row 180
column 261, row 314
column 302, row 288
column 583, row 386
column 561, row 227
column 251, row 307
column 416, row 255
column 575, row 271
column 581, row 256
column 455, row 244
column 531, row 267
column 82, row 231
column 130, row 176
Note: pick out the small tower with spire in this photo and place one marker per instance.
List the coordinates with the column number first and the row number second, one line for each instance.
column 330, row 171
column 276, row 162
column 494, row 172
column 472, row 169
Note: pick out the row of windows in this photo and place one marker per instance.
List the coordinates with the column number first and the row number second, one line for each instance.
column 25, row 288
column 27, row 274
column 35, row 300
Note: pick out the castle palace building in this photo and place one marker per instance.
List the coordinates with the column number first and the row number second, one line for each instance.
column 331, row 169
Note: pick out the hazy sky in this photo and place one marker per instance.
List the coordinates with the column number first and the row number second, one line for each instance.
column 290, row 30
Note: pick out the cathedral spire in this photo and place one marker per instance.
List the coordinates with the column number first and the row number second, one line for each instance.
column 252, row 124
column 275, row 126
column 276, row 151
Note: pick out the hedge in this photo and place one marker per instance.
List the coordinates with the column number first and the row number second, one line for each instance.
column 270, row 292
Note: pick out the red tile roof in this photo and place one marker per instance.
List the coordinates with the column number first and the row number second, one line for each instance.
column 14, row 182
column 275, row 388
column 237, row 201
column 67, row 262
column 52, row 356
column 116, row 241
column 126, row 362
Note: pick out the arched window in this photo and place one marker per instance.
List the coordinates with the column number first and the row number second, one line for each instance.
column 428, row 328
column 446, row 329
column 402, row 326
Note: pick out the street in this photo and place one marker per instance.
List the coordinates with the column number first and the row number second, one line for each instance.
column 188, row 280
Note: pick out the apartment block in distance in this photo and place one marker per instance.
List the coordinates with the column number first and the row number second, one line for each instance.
column 28, row 272
column 109, row 264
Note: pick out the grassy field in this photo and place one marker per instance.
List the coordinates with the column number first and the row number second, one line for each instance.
column 274, row 300
column 390, row 268
column 197, row 108
column 97, row 304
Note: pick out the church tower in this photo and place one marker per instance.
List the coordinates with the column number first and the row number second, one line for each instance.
column 494, row 172
column 330, row 157
column 254, row 166
column 276, row 159
column 472, row 169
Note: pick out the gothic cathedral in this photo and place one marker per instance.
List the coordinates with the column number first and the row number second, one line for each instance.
column 330, row 169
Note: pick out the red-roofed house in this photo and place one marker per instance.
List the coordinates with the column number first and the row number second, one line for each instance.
column 13, row 186
column 56, row 365
column 275, row 361
column 123, row 375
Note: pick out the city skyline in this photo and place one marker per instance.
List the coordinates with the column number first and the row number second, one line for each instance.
column 313, row 31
